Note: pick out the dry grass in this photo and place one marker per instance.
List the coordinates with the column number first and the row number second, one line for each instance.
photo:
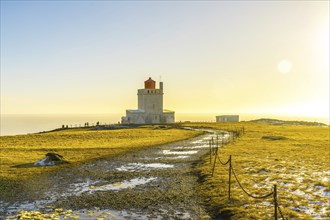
column 294, row 157
column 77, row 146
column 298, row 163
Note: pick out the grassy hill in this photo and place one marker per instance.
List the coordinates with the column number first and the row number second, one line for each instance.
column 282, row 122
column 294, row 157
column 78, row 146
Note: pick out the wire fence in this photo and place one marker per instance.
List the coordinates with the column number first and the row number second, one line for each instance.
column 214, row 151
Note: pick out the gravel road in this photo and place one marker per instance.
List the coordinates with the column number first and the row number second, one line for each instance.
column 155, row 183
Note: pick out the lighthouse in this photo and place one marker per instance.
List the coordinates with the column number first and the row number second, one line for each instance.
column 150, row 106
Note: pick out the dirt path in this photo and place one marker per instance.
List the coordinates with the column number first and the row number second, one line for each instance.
column 156, row 183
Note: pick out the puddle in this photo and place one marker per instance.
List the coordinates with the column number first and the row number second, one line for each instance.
column 198, row 147
column 152, row 158
column 110, row 214
column 99, row 214
column 127, row 184
column 130, row 167
column 179, row 152
column 205, row 140
column 78, row 188
column 178, row 157
column 74, row 190
column 26, row 205
column 167, row 157
column 198, row 142
column 155, row 159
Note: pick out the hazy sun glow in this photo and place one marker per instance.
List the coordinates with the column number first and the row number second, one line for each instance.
column 284, row 66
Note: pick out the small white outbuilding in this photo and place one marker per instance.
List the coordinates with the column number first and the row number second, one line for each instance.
column 227, row 118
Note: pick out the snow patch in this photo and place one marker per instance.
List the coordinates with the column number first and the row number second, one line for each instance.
column 130, row 167
column 179, row 152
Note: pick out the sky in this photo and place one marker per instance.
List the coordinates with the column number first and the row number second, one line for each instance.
column 229, row 57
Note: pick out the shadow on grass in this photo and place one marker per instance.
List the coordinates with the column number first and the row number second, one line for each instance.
column 25, row 165
column 51, row 159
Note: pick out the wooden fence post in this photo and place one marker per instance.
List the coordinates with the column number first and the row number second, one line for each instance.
column 275, row 201
column 229, row 178
column 215, row 160
column 210, row 151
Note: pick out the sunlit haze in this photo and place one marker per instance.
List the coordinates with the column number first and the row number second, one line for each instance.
column 222, row 57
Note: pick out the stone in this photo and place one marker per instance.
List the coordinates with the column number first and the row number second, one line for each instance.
column 51, row 159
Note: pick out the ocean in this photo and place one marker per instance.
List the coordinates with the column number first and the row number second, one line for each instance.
column 14, row 124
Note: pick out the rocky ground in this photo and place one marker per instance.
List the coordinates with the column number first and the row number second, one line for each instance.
column 156, row 183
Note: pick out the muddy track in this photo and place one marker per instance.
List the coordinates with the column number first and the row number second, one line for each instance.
column 155, row 183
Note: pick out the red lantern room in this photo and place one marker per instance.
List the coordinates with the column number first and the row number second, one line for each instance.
column 149, row 84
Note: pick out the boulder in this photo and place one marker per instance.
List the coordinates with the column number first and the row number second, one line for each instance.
column 51, row 159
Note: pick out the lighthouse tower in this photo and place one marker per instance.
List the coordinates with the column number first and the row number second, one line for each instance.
column 150, row 106
column 150, row 99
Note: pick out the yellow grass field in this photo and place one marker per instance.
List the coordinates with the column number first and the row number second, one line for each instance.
column 298, row 163
column 294, row 157
column 78, row 146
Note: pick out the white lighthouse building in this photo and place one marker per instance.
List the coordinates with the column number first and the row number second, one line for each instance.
column 150, row 106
